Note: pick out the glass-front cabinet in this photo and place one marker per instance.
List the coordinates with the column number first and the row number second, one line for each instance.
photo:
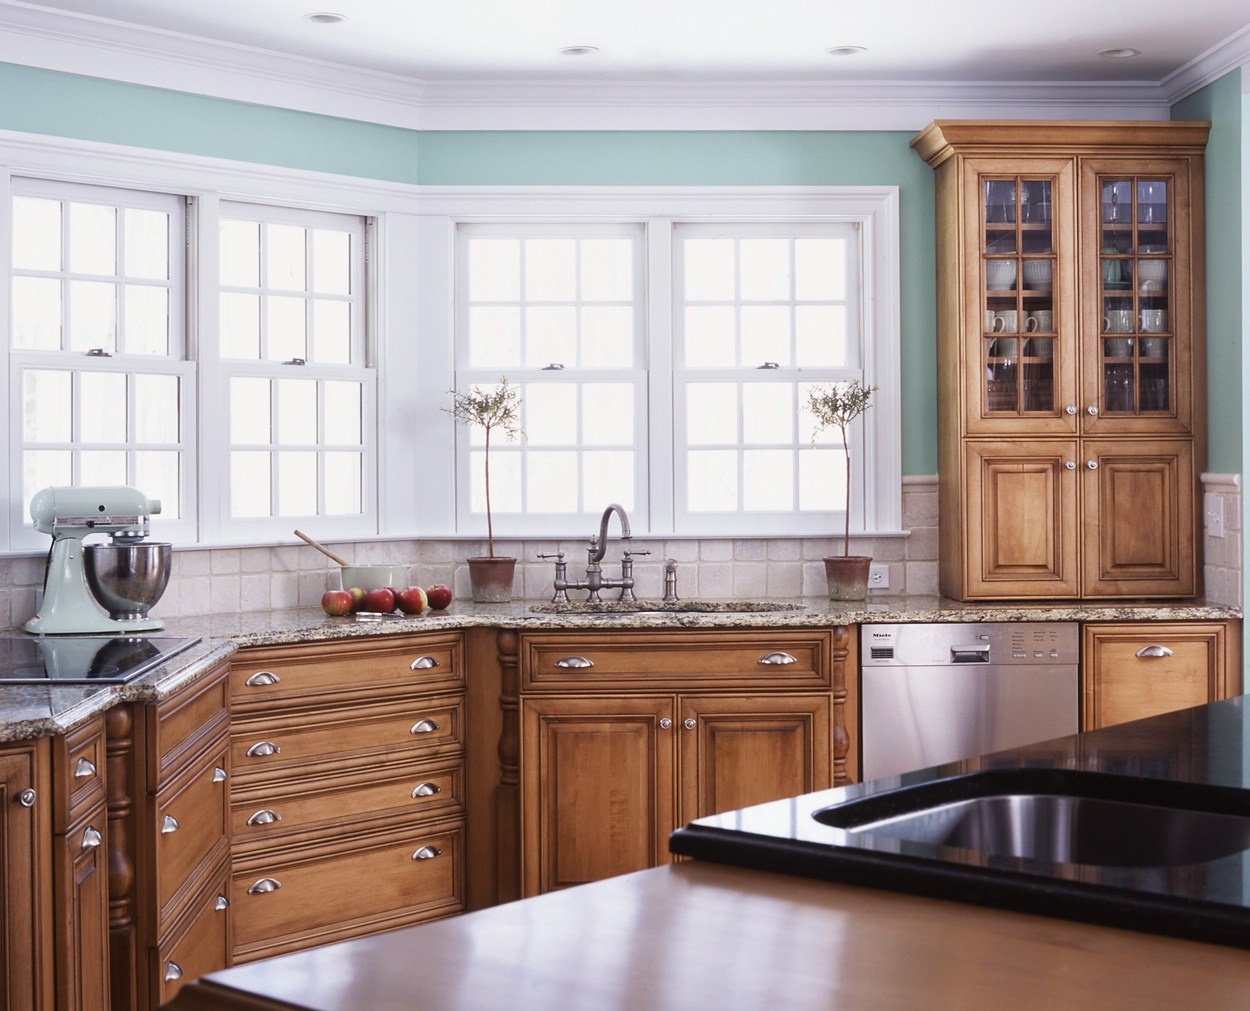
column 1069, row 293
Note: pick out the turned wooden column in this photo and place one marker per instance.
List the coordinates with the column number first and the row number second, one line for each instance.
column 845, row 768
column 124, row 953
column 508, row 793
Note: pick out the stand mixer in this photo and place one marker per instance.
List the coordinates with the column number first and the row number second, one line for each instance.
column 99, row 588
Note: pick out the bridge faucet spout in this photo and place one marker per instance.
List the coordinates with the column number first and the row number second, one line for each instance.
column 601, row 543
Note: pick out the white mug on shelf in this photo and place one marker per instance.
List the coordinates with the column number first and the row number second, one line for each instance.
column 1152, row 347
column 1003, row 347
column 1040, row 319
column 1154, row 320
column 1006, row 321
column 1121, row 347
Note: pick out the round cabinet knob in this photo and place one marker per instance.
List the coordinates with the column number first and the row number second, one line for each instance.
column 1091, row 464
column 1092, row 410
column 423, row 663
column 426, row 853
column 423, row 727
column 1070, row 409
column 666, row 723
column 265, row 816
column 262, row 679
column 27, row 797
column 689, row 723
column 1069, row 464
column 264, row 886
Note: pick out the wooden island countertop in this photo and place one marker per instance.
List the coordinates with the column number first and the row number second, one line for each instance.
column 699, row 935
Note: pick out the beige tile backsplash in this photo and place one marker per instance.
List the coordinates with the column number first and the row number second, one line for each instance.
column 226, row 579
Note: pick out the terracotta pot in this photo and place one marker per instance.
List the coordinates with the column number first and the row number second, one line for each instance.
column 847, row 576
column 491, row 578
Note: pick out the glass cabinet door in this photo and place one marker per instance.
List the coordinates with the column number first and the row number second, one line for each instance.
column 1018, row 336
column 1137, row 348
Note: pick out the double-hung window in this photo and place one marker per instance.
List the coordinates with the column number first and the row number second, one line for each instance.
column 557, row 309
column 101, row 376
column 293, row 363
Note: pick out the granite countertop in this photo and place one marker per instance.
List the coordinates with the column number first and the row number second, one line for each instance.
column 39, row 710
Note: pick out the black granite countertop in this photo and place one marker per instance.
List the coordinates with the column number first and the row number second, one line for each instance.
column 40, row 710
column 1193, row 759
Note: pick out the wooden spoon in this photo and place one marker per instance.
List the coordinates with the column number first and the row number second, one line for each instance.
column 322, row 548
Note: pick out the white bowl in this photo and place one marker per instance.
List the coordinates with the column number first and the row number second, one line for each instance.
column 1152, row 270
column 374, row 577
column 1000, row 275
column 1037, row 273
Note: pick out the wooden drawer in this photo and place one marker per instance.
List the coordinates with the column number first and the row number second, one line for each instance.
column 81, row 923
column 264, row 811
column 1130, row 671
column 198, row 944
column 78, row 761
column 184, row 724
column 189, row 831
column 299, row 896
column 312, row 673
column 328, row 737
column 785, row 658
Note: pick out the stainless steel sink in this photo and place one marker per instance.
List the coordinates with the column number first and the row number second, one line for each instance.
column 1064, row 829
column 674, row 606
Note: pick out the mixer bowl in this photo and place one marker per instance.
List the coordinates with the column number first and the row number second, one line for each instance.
column 128, row 578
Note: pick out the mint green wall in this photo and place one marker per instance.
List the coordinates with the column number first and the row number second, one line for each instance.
column 1221, row 103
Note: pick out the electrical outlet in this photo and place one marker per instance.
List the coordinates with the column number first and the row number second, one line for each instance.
column 878, row 577
column 1214, row 510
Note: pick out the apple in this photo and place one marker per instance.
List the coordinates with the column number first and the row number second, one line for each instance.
column 381, row 600
column 439, row 596
column 411, row 600
column 336, row 602
column 358, row 598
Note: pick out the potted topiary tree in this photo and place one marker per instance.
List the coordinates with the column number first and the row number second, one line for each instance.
column 836, row 406
column 499, row 408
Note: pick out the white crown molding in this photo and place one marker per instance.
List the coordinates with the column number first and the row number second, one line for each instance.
column 98, row 47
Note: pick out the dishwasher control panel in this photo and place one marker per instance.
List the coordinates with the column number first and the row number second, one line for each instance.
column 938, row 644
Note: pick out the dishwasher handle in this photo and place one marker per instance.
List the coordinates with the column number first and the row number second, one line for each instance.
column 979, row 653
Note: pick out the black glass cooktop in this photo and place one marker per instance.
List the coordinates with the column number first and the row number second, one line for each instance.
column 84, row 659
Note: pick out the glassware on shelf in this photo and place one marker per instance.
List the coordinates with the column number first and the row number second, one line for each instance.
column 1118, row 388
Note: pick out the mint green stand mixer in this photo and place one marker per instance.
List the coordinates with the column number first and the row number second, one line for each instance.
column 104, row 587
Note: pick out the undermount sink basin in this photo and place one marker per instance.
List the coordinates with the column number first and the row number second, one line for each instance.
column 673, row 606
column 1071, row 830
column 1115, row 824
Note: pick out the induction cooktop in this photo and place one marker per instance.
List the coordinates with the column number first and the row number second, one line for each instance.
column 84, row 659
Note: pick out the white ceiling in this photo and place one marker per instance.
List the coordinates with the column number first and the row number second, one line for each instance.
column 703, row 40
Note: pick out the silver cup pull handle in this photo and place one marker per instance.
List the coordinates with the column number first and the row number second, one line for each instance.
column 423, row 727
column 262, row 679
column 777, row 657
column 1154, row 651
column 169, row 824
column 264, row 886
column 265, row 816
column 221, row 903
column 219, row 774
column 173, row 971
column 574, row 663
column 91, row 838
column 425, row 790
column 426, row 853
column 423, row 663
column 261, row 749
column 84, row 768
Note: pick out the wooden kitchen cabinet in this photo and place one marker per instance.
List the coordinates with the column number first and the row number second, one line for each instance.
column 1070, row 346
column 348, row 791
column 624, row 736
column 1134, row 670
column 26, row 941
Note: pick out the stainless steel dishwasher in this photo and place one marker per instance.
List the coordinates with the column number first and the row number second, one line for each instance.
column 941, row 692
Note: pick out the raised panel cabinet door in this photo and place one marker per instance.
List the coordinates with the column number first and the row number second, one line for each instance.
column 1020, row 534
column 1137, row 670
column 1138, row 512
column 739, row 751
column 81, row 920
column 25, row 914
column 597, row 788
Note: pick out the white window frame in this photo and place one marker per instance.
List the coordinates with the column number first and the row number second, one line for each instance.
column 874, row 210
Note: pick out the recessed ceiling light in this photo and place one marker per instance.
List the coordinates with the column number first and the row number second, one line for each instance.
column 846, row 50
column 325, row 18
column 1119, row 54
column 578, row 50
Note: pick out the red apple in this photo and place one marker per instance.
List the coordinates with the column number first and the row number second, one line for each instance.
column 439, row 596
column 336, row 602
column 411, row 600
column 381, row 601
column 358, row 598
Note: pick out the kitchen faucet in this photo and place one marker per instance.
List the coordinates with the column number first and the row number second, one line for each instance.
column 595, row 580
